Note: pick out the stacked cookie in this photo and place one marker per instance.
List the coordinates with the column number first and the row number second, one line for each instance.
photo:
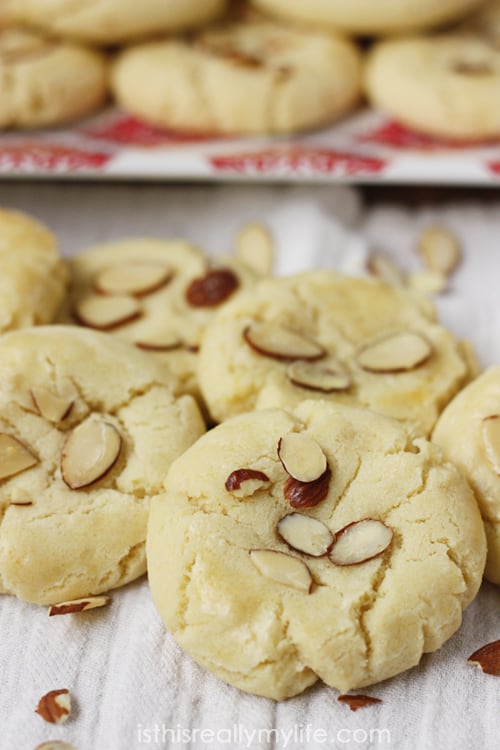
column 314, row 532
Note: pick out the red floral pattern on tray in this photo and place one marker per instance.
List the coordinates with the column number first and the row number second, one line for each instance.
column 297, row 161
column 37, row 157
column 397, row 136
column 129, row 131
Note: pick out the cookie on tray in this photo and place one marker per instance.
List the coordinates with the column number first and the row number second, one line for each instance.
column 255, row 77
column 323, row 543
column 327, row 336
column 45, row 82
column 446, row 86
column 88, row 429
column 33, row 276
column 114, row 21
column 368, row 17
column 469, row 432
column 157, row 294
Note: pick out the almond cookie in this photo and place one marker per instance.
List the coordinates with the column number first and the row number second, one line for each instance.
column 369, row 17
column 254, row 77
column 327, row 336
column 47, row 82
column 469, row 432
column 114, row 21
column 272, row 582
column 32, row 274
column 88, row 428
column 445, row 86
column 157, row 294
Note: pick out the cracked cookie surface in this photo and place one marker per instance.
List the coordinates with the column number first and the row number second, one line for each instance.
column 244, row 362
column 88, row 429
column 168, row 323
column 253, row 77
column 113, row 21
column 467, row 432
column 359, row 623
column 45, row 81
column 32, row 274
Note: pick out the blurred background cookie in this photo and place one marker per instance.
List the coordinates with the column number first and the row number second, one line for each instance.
column 369, row 17
column 253, row 77
column 114, row 21
column 45, row 82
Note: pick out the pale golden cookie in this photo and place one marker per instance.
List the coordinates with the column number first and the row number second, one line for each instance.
column 157, row 294
column 469, row 432
column 369, row 16
column 446, row 86
column 88, row 429
column 114, row 21
column 47, row 82
column 272, row 616
column 253, row 77
column 327, row 336
column 33, row 276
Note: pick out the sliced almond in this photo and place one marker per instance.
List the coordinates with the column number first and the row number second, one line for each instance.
column 55, row 745
column 487, row 658
column 360, row 541
column 14, row 456
column 490, row 430
column 358, row 701
column 440, row 250
column 50, row 406
column 160, row 342
column 245, row 482
column 212, row 289
column 136, row 279
column 107, row 313
column 282, row 568
column 385, row 268
column 428, row 281
column 89, row 452
column 55, row 706
column 281, row 343
column 395, row 352
column 79, row 605
column 302, row 457
column 307, row 494
column 255, row 249
column 305, row 534
column 314, row 377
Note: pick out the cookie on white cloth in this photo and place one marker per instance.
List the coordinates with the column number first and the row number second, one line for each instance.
column 446, row 86
column 33, row 276
column 255, row 588
column 114, row 21
column 469, row 432
column 89, row 426
column 369, row 16
column 255, row 77
column 327, row 336
column 45, row 82
column 157, row 294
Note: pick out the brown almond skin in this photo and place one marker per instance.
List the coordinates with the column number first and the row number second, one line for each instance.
column 47, row 707
column 213, row 288
column 307, row 494
column 66, row 609
column 235, row 479
column 488, row 658
column 358, row 701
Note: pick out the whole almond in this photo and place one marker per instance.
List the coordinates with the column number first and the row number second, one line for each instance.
column 307, row 494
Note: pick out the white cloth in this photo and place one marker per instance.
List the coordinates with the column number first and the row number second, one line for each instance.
column 132, row 686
